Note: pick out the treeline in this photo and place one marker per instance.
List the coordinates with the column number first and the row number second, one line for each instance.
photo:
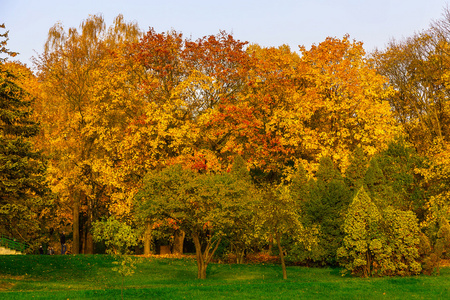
column 336, row 156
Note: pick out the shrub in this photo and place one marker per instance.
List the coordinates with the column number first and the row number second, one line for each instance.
column 377, row 243
column 401, row 236
column 361, row 227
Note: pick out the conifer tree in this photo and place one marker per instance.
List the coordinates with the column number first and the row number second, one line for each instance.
column 361, row 228
column 327, row 171
column 379, row 242
column 397, row 252
column 399, row 164
column 300, row 185
column 355, row 173
column 329, row 197
column 376, row 185
column 21, row 167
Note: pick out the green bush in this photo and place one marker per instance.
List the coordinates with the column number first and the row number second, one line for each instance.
column 400, row 252
column 361, row 228
column 327, row 199
column 375, row 243
column 118, row 236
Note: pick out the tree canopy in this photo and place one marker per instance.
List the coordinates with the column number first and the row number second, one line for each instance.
column 339, row 156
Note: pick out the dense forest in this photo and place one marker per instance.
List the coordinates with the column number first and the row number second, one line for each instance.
column 328, row 156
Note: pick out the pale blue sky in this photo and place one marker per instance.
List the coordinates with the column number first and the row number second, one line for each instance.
column 268, row 23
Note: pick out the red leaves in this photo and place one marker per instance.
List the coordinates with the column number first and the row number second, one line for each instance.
column 199, row 165
column 268, row 104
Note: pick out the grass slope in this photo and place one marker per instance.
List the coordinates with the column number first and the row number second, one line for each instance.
column 91, row 277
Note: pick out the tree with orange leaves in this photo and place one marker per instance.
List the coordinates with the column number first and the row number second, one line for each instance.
column 78, row 115
column 326, row 102
column 348, row 99
column 186, row 81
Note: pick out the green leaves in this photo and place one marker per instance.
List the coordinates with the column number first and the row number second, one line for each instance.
column 324, row 202
column 209, row 206
column 377, row 243
column 117, row 236
column 194, row 200
column 360, row 228
column 22, row 168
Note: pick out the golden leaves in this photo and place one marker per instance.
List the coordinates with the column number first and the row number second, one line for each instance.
column 124, row 110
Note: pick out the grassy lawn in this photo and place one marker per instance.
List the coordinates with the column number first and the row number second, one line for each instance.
column 91, row 277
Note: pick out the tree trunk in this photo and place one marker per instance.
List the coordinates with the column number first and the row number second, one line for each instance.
column 202, row 271
column 89, row 242
column 76, row 224
column 240, row 254
column 280, row 249
column 270, row 245
column 148, row 238
column 83, row 241
column 201, row 263
column 368, row 268
column 204, row 258
column 178, row 242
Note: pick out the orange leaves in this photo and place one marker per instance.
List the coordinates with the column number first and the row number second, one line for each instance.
column 200, row 161
column 123, row 109
column 350, row 99
column 207, row 226
column 159, row 54
column 326, row 102
column 89, row 95
column 188, row 81
column 250, row 126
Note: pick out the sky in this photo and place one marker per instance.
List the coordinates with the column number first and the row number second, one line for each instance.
column 267, row 23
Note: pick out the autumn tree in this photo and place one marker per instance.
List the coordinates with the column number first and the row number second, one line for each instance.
column 326, row 102
column 162, row 122
column 417, row 70
column 183, row 81
column 349, row 99
column 436, row 209
column 187, row 80
column 253, row 125
column 3, row 43
column 70, row 71
column 442, row 243
column 296, row 109
column 23, row 204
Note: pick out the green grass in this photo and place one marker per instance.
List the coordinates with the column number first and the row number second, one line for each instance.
column 91, row 277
